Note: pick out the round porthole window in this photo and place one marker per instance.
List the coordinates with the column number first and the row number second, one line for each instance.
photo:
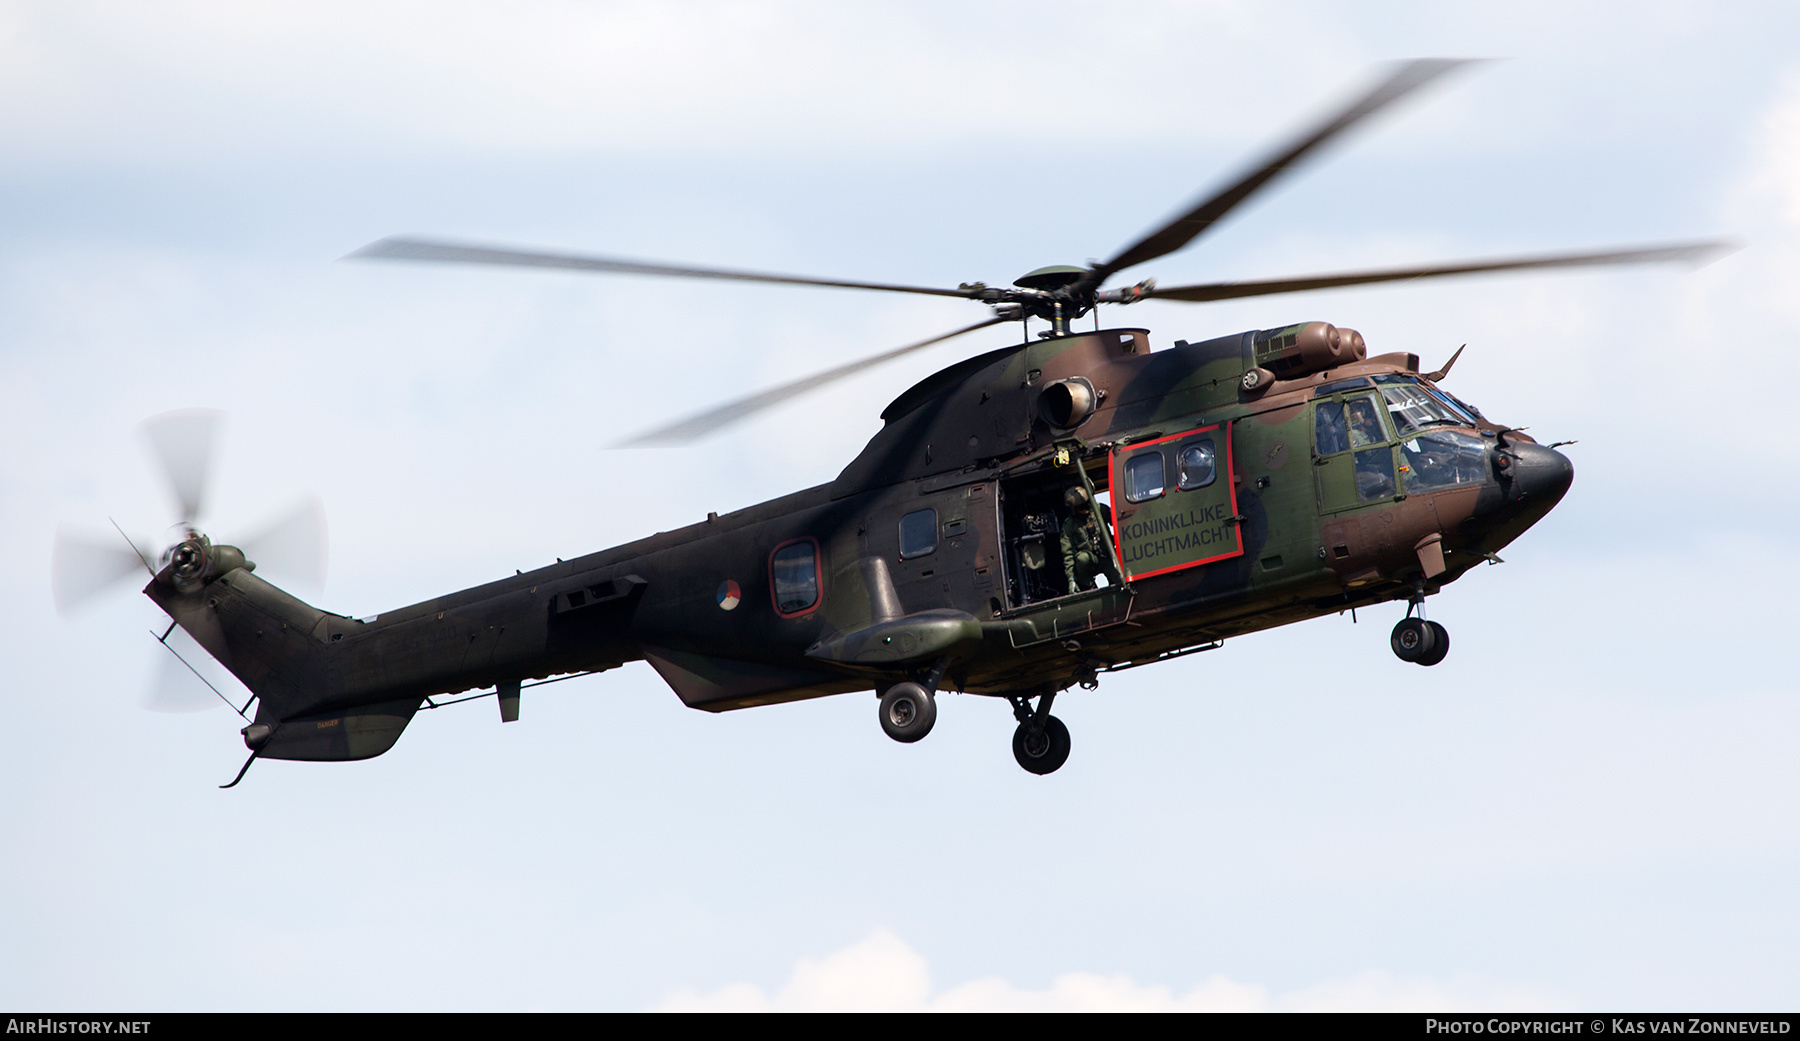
column 1198, row 465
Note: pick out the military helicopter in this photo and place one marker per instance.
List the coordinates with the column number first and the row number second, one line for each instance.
column 1026, row 520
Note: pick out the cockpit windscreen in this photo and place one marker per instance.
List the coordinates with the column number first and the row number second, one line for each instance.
column 1413, row 408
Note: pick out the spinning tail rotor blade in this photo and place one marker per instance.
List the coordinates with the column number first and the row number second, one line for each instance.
column 194, row 672
column 83, row 567
column 1692, row 252
column 183, row 442
column 405, row 248
column 292, row 549
column 695, row 427
column 1188, row 226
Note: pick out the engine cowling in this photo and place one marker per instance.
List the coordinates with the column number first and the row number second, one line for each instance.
column 1299, row 350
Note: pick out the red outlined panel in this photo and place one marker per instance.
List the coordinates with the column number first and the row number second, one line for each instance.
column 1178, row 529
column 818, row 579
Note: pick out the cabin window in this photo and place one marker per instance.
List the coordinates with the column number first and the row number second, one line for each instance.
column 1144, row 477
column 918, row 534
column 1196, row 466
column 794, row 576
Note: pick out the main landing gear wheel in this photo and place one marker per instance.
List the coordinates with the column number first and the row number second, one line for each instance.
column 908, row 711
column 1419, row 641
column 1041, row 747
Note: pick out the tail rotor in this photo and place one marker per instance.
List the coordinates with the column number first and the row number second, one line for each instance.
column 290, row 549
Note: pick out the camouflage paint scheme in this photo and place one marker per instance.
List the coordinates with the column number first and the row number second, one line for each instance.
column 1267, row 549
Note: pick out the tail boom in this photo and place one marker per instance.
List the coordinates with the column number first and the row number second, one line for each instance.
column 334, row 688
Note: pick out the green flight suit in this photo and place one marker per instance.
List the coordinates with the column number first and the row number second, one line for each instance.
column 1086, row 550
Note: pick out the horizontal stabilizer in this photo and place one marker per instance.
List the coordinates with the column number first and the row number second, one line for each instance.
column 363, row 733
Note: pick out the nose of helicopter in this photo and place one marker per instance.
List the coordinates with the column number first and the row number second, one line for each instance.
column 1540, row 476
column 1530, row 481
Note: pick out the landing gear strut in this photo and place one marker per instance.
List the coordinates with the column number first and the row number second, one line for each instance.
column 1041, row 742
column 1417, row 640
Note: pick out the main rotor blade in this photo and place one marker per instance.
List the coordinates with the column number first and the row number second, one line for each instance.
column 292, row 548
column 81, row 568
column 1694, row 253
column 695, row 427
column 1183, row 229
column 183, row 441
column 404, row 248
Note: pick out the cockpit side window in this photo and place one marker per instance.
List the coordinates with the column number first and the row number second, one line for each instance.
column 1330, row 435
column 1365, row 422
column 1353, row 424
column 1375, row 474
column 1443, row 459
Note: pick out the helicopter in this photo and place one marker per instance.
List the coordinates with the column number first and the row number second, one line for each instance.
column 1026, row 520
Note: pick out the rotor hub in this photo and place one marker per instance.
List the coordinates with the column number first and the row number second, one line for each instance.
column 187, row 563
column 1056, row 276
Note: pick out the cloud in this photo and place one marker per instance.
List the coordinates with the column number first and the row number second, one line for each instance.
column 1733, row 323
column 1766, row 203
column 883, row 974
column 1775, row 180
column 553, row 75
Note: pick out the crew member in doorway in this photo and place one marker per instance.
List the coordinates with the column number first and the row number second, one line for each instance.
column 1086, row 542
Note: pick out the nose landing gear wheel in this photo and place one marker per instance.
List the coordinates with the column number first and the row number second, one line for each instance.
column 1442, row 637
column 908, row 712
column 1041, row 749
column 1413, row 640
column 1420, row 642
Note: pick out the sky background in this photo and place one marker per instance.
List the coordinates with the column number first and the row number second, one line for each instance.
column 1592, row 804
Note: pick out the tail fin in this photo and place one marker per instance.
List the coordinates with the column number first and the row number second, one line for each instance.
column 280, row 648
